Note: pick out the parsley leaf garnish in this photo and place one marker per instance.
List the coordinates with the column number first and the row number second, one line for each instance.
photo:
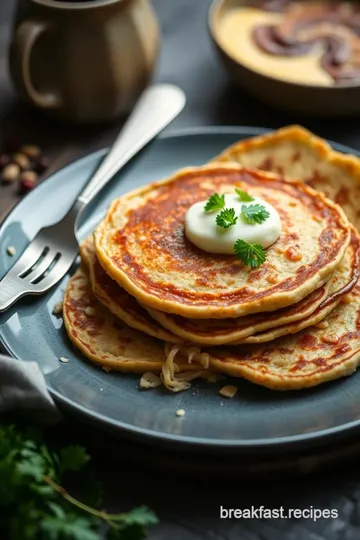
column 215, row 202
column 254, row 213
column 249, row 254
column 243, row 195
column 35, row 504
column 226, row 218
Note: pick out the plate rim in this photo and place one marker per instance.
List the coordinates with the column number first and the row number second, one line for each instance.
column 148, row 435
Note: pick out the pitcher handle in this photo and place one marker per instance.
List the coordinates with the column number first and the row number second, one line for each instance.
column 25, row 38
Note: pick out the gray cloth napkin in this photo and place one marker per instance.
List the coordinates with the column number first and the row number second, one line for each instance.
column 23, row 389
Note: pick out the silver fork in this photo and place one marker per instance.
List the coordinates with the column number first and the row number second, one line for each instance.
column 53, row 250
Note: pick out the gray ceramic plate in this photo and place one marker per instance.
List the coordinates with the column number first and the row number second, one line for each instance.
column 256, row 419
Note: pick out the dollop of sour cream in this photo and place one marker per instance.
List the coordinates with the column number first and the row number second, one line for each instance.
column 201, row 228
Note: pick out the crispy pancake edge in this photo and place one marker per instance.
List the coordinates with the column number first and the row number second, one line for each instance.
column 142, row 321
column 276, row 301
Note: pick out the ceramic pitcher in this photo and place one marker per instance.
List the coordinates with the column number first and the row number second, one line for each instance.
column 83, row 61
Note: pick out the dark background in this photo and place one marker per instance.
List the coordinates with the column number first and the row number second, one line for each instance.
column 185, row 491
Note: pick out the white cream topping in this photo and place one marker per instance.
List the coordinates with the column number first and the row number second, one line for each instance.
column 201, row 228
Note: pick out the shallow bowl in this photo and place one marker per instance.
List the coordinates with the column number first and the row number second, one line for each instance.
column 325, row 101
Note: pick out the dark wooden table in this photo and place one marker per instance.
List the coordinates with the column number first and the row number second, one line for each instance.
column 187, row 492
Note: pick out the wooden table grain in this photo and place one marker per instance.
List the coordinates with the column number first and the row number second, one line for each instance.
column 187, row 491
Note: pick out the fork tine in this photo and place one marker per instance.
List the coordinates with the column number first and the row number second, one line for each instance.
column 53, row 277
column 28, row 258
column 42, row 267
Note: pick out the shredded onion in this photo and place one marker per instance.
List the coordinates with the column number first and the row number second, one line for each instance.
column 171, row 376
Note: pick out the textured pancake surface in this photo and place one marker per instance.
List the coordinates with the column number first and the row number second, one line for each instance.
column 141, row 244
column 311, row 357
column 343, row 281
column 107, row 341
column 230, row 330
column 264, row 327
column 117, row 300
column 103, row 338
column 296, row 153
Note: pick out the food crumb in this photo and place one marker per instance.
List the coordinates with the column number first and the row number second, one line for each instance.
column 101, row 389
column 64, row 360
column 57, row 309
column 90, row 311
column 228, row 391
column 150, row 380
column 330, row 339
column 272, row 278
column 322, row 324
column 11, row 251
column 180, row 412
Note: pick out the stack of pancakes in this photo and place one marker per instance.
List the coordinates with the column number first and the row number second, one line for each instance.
column 145, row 299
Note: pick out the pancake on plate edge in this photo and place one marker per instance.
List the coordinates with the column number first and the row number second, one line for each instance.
column 324, row 351
column 107, row 341
column 117, row 300
column 297, row 153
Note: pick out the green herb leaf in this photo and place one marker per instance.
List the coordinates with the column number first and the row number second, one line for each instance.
column 32, row 464
column 243, row 195
column 58, row 510
column 73, row 458
column 34, row 505
column 215, row 202
column 139, row 516
column 72, row 527
column 226, row 218
column 249, row 254
column 131, row 526
column 254, row 213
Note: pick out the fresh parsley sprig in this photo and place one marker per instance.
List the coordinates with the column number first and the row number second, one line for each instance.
column 254, row 213
column 34, row 505
column 250, row 254
column 243, row 195
column 215, row 202
column 226, row 218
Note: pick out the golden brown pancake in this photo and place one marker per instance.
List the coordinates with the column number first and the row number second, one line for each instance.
column 103, row 338
column 201, row 331
column 342, row 283
column 264, row 327
column 311, row 357
column 107, row 341
column 325, row 351
column 296, row 153
column 223, row 331
column 141, row 244
column 117, row 300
